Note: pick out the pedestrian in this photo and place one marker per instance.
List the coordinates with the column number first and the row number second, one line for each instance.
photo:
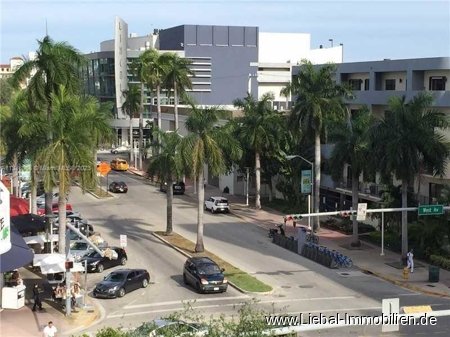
column 50, row 330
column 410, row 260
column 36, row 297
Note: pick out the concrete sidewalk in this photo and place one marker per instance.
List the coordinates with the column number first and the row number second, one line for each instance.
column 367, row 257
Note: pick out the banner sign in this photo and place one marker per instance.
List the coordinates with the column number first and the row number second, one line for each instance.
column 306, row 183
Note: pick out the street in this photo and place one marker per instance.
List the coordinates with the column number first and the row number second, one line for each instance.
column 300, row 285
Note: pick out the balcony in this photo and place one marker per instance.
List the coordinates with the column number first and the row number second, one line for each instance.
column 369, row 191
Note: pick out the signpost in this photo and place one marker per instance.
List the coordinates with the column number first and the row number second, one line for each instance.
column 431, row 210
column 123, row 241
column 362, row 212
column 104, row 168
column 306, row 182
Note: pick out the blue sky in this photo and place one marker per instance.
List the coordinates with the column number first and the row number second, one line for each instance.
column 369, row 30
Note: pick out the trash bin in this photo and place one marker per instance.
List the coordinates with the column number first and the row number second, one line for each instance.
column 433, row 274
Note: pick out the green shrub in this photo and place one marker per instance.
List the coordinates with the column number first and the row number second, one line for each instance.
column 440, row 261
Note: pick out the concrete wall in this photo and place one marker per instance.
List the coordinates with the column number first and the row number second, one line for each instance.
column 283, row 47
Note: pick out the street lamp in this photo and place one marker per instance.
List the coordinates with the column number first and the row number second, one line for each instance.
column 310, row 196
column 331, row 40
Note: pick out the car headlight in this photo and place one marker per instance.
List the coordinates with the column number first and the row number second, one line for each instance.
column 113, row 289
column 225, row 280
column 204, row 281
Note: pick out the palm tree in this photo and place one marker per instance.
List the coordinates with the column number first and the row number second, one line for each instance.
column 352, row 147
column 287, row 92
column 131, row 107
column 261, row 129
column 177, row 77
column 408, row 137
column 74, row 119
column 56, row 63
column 318, row 100
column 167, row 165
column 205, row 144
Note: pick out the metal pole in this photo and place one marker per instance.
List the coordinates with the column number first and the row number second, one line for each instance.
column 85, row 280
column 68, row 280
column 247, row 183
column 382, row 234
column 51, row 236
column 312, row 193
column 309, row 211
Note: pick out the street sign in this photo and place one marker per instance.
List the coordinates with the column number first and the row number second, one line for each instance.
column 431, row 209
column 306, row 182
column 390, row 307
column 362, row 212
column 123, row 240
column 103, row 168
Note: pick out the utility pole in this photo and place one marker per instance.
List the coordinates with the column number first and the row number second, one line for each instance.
column 246, row 183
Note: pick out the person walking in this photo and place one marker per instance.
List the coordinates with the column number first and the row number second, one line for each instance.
column 410, row 260
column 36, row 297
column 50, row 330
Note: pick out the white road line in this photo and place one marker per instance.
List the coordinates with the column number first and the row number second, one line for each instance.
column 333, row 310
column 410, row 294
column 157, row 304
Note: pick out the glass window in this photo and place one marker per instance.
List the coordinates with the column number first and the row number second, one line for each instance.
column 366, row 84
column 355, row 84
column 390, row 84
column 437, row 83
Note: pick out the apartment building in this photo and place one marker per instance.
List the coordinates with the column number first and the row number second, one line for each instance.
column 7, row 70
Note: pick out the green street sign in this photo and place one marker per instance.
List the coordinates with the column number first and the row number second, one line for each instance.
column 431, row 210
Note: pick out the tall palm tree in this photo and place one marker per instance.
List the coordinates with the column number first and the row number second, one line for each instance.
column 167, row 165
column 352, row 147
column 74, row 119
column 287, row 92
column 408, row 137
column 261, row 129
column 56, row 63
column 177, row 77
column 131, row 106
column 205, row 145
column 318, row 100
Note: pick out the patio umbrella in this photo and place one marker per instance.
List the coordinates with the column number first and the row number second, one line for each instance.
column 18, row 256
column 28, row 223
column 18, row 206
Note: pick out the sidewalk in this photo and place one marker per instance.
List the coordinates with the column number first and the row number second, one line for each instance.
column 367, row 257
column 26, row 323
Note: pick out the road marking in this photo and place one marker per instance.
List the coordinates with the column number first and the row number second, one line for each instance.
column 417, row 309
column 333, row 310
column 410, row 294
column 157, row 304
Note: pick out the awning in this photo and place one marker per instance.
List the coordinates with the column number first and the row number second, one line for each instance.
column 29, row 223
column 18, row 256
column 18, row 206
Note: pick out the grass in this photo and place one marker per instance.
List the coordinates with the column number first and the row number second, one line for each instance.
column 235, row 275
column 101, row 193
column 281, row 206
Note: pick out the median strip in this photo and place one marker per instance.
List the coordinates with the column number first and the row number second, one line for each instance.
column 236, row 277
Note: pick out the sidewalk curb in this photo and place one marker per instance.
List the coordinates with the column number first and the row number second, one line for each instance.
column 404, row 284
column 100, row 316
column 95, row 195
column 187, row 255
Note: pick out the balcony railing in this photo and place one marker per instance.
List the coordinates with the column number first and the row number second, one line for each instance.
column 366, row 188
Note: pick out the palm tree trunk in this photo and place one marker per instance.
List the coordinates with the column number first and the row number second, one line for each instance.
column 15, row 176
column 258, row 180
column 158, row 104
column 175, row 104
column 141, row 127
column 355, row 197
column 271, row 189
column 169, row 227
column 49, row 194
column 404, row 219
column 62, row 204
column 33, row 193
column 199, row 247
column 131, row 141
column 317, row 161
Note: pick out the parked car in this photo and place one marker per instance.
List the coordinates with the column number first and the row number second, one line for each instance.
column 163, row 327
column 41, row 210
column 119, row 164
column 217, row 204
column 98, row 263
column 40, row 200
column 79, row 248
column 204, row 275
column 118, row 187
column 120, row 149
column 178, row 188
column 122, row 281
column 26, row 189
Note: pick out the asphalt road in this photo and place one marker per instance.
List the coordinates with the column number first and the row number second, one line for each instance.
column 299, row 284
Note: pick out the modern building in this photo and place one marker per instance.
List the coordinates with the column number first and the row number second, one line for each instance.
column 227, row 61
column 7, row 70
column 373, row 84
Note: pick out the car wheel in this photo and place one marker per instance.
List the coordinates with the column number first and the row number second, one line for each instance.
column 115, row 152
column 100, row 268
column 197, row 286
column 123, row 261
column 212, row 210
column 144, row 283
column 121, row 292
column 185, row 279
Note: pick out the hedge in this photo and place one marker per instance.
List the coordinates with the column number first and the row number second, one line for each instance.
column 440, row 261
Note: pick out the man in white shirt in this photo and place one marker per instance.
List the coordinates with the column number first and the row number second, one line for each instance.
column 410, row 260
column 50, row 330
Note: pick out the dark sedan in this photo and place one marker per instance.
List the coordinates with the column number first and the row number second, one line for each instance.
column 118, row 187
column 114, row 256
column 205, row 275
column 178, row 188
column 122, row 281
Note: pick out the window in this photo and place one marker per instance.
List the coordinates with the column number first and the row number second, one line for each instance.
column 355, row 84
column 389, row 84
column 437, row 83
column 366, row 84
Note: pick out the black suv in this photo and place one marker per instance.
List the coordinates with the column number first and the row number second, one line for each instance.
column 95, row 262
column 178, row 188
column 205, row 275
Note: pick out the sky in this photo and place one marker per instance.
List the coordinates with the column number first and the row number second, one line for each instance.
column 368, row 29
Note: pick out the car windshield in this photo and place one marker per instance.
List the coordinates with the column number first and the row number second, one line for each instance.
column 93, row 254
column 78, row 246
column 208, row 269
column 222, row 201
column 115, row 277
